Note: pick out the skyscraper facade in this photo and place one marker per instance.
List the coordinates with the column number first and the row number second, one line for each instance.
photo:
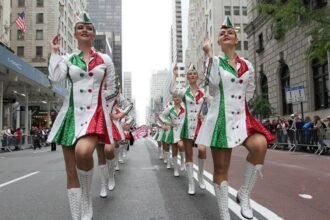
column 107, row 18
column 127, row 85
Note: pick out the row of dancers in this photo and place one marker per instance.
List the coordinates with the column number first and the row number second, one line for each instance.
column 94, row 115
column 216, row 115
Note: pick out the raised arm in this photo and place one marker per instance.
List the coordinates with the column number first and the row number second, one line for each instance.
column 174, row 88
column 212, row 65
column 58, row 65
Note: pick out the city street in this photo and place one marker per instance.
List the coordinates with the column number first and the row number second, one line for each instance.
column 32, row 186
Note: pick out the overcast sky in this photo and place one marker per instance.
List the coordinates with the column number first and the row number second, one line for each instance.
column 146, row 44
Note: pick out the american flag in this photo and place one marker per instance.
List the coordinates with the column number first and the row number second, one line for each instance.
column 20, row 21
column 141, row 132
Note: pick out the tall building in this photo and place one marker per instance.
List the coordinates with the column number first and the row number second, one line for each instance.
column 157, row 89
column 127, row 85
column 4, row 22
column 205, row 19
column 280, row 63
column 176, row 53
column 44, row 20
column 176, row 49
column 102, row 44
column 107, row 17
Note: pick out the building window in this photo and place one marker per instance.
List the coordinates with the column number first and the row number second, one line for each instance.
column 244, row 28
column 40, row 18
column 39, row 35
column 246, row 45
column 244, row 10
column 260, row 46
column 236, row 10
column 21, row 3
column 39, row 52
column 285, row 83
column 227, row 10
column 20, row 51
column 237, row 28
column 321, row 85
column 40, row 3
column 263, row 82
column 239, row 45
column 20, row 35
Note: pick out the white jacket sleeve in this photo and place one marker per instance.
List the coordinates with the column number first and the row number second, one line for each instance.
column 164, row 115
column 251, row 83
column 58, row 67
column 111, row 89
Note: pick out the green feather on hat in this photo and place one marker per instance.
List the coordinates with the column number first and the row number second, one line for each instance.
column 227, row 23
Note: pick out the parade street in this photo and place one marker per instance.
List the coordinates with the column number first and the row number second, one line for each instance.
column 294, row 186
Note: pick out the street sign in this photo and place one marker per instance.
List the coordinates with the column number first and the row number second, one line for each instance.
column 295, row 94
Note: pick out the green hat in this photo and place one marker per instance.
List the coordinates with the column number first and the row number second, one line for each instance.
column 227, row 23
column 191, row 67
column 84, row 18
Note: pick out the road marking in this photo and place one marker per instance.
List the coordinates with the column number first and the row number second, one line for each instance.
column 43, row 151
column 18, row 179
column 305, row 196
column 256, row 206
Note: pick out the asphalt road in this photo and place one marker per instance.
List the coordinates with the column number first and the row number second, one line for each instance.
column 32, row 186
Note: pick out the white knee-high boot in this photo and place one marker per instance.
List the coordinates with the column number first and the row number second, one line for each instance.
column 176, row 166
column 120, row 154
column 165, row 156
column 201, row 173
column 74, row 195
column 111, row 168
column 221, row 193
column 85, row 179
column 183, row 162
column 104, row 174
column 169, row 160
column 243, row 196
column 116, row 152
column 160, row 153
column 191, row 182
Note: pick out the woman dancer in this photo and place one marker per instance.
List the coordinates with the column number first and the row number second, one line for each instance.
column 107, row 153
column 173, row 116
column 83, row 120
column 193, row 98
column 228, row 123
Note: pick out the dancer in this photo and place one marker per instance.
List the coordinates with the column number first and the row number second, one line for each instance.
column 83, row 119
column 173, row 116
column 108, row 153
column 229, row 123
column 193, row 99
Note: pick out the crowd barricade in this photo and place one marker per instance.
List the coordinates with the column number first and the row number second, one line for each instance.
column 303, row 139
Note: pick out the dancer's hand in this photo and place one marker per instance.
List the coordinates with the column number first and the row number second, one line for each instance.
column 175, row 71
column 55, row 44
column 207, row 47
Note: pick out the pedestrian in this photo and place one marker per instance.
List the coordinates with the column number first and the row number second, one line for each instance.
column 193, row 99
column 320, row 129
column 83, row 120
column 228, row 123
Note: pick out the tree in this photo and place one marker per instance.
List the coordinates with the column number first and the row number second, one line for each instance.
column 260, row 106
column 315, row 14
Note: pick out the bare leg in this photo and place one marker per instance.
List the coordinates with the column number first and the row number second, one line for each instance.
column 70, row 167
column 188, row 146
